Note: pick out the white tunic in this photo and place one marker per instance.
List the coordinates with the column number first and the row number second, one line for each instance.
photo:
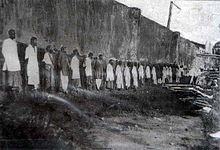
column 47, row 59
column 88, row 69
column 135, row 76
column 127, row 76
column 141, row 72
column 154, row 75
column 75, row 68
column 10, row 53
column 32, row 66
column 148, row 73
column 164, row 75
column 119, row 77
column 110, row 73
column 178, row 73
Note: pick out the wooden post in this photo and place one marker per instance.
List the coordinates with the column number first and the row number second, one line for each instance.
column 170, row 15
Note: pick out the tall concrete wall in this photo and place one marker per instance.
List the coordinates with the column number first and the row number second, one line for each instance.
column 104, row 26
column 156, row 42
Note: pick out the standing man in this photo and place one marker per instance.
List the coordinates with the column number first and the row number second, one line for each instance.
column 75, row 69
column 148, row 74
column 88, row 70
column 135, row 75
column 119, row 76
column 110, row 77
column 32, row 64
column 154, row 75
column 103, row 66
column 12, row 63
column 63, row 65
column 141, row 74
column 99, row 72
column 56, row 54
column 94, row 61
column 49, row 69
column 127, row 76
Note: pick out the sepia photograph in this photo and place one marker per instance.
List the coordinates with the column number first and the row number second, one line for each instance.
column 109, row 74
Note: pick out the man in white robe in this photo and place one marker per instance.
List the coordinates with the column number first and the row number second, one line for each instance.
column 74, row 65
column 32, row 65
column 148, row 74
column 135, row 76
column 88, row 71
column 141, row 74
column 154, row 75
column 170, row 74
column 12, row 63
column 178, row 75
column 119, row 76
column 110, row 77
column 127, row 76
column 164, row 75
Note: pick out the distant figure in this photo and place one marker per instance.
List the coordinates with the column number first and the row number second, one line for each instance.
column 135, row 75
column 119, row 76
column 154, row 75
column 32, row 64
column 56, row 70
column 94, row 72
column 167, row 80
column 182, row 74
column 170, row 74
column 148, row 74
column 178, row 75
column 12, row 63
column 88, row 71
column 99, row 72
column 49, row 69
column 75, row 69
column 141, row 74
column 64, row 67
column 164, row 72
column 127, row 76
column 159, row 73
column 110, row 77
column 104, row 65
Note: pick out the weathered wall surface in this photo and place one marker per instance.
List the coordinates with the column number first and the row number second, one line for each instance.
column 155, row 42
column 90, row 25
column 104, row 26
column 187, row 51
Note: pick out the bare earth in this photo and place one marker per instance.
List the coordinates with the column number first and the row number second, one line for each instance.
column 118, row 120
column 139, row 132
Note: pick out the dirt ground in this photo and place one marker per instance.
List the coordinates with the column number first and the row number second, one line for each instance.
column 149, row 118
column 138, row 132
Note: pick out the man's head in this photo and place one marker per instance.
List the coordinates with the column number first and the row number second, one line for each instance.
column 11, row 34
column 111, row 61
column 33, row 41
column 63, row 48
column 48, row 48
column 120, row 62
column 135, row 64
column 90, row 55
column 95, row 58
column 75, row 52
column 100, row 56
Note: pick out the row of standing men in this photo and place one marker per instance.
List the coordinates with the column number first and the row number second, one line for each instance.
column 66, row 72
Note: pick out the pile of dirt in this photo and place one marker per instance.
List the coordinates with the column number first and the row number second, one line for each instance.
column 151, row 100
column 41, row 125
